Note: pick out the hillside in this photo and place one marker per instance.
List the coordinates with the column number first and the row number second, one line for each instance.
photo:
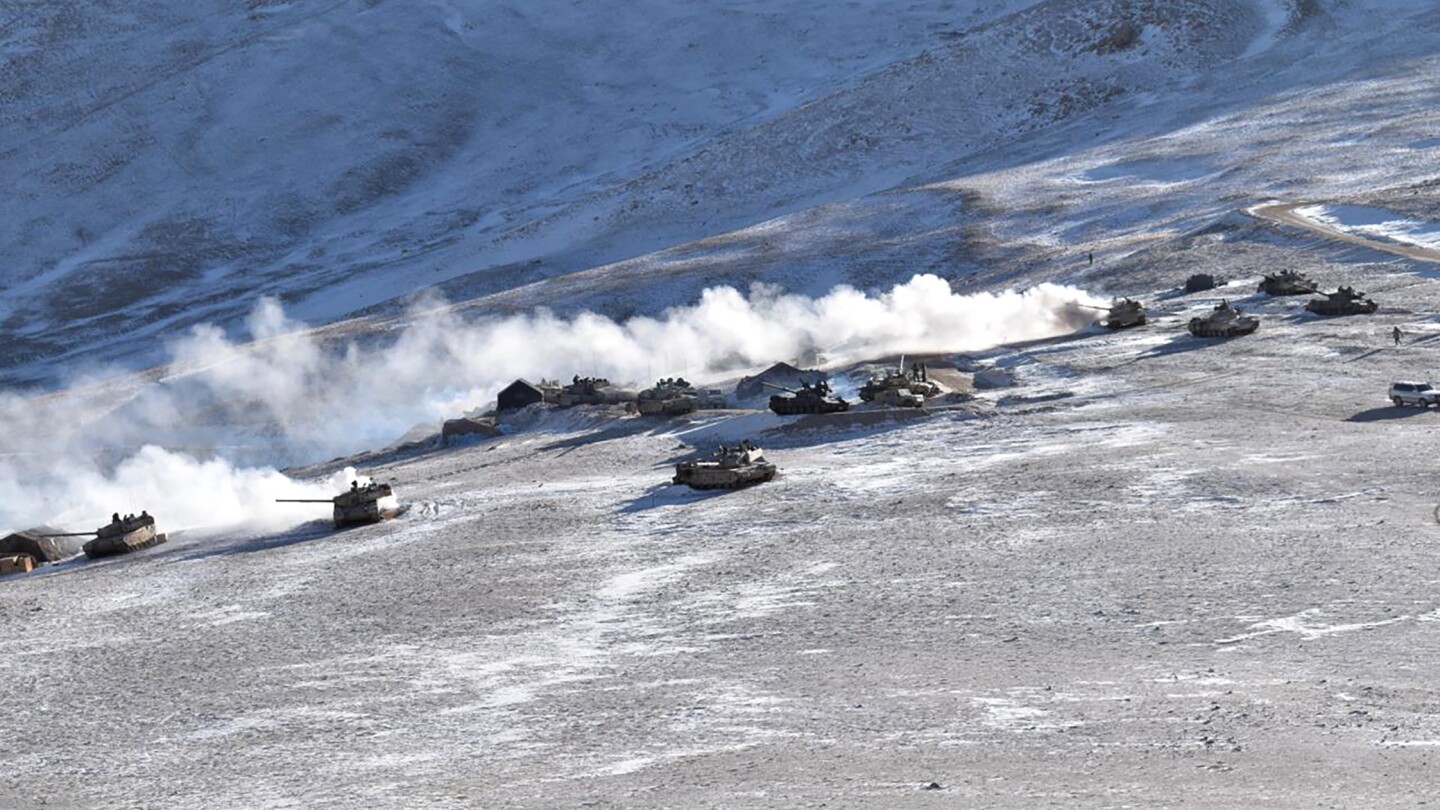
column 258, row 253
column 172, row 161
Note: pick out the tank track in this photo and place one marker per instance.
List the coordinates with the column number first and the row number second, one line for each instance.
column 808, row 409
column 735, row 484
column 1223, row 333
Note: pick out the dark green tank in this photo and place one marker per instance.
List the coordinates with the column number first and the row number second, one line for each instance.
column 731, row 468
column 901, row 388
column 123, row 536
column 1224, row 322
column 1344, row 301
column 806, row 399
column 1287, row 282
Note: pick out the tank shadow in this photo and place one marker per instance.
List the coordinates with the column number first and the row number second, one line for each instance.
column 304, row 533
column 1386, row 413
column 663, row 495
column 1181, row 344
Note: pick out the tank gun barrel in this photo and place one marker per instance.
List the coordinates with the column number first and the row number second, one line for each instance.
column 71, row 534
column 777, row 387
column 303, row 500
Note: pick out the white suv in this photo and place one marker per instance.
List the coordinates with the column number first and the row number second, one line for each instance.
column 1414, row 393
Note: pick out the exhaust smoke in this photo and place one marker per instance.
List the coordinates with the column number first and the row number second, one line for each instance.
column 287, row 397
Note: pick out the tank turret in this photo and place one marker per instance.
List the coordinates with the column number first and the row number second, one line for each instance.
column 1223, row 322
column 730, row 468
column 808, row 398
column 1287, row 282
column 1344, row 301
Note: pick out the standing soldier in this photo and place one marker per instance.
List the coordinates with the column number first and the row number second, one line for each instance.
column 1396, row 334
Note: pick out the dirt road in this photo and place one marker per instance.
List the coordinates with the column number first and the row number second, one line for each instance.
column 1286, row 214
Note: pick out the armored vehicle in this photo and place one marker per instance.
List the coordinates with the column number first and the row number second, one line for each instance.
column 583, row 391
column 901, row 388
column 806, row 399
column 120, row 536
column 359, row 505
column 1127, row 312
column 669, row 397
column 1225, row 321
column 1344, row 301
column 731, row 468
column 1123, row 314
column 1287, row 282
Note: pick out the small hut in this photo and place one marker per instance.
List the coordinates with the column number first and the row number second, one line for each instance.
column 517, row 395
column 44, row 549
column 468, row 427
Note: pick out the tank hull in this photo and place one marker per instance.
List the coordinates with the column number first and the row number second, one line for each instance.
column 666, row 407
column 711, row 475
column 1125, row 321
column 1243, row 326
column 899, row 398
column 363, row 514
column 1322, row 307
column 124, row 543
column 792, row 406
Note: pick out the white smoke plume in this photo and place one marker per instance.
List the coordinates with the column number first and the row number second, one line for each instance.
column 286, row 396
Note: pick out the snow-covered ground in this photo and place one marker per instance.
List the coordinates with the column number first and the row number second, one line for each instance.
column 1374, row 222
column 1200, row 578
column 1157, row 571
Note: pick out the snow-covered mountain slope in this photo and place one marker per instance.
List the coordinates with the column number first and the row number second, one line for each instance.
column 1286, row 106
column 342, row 155
column 167, row 162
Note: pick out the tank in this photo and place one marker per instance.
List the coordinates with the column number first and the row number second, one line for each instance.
column 120, row 536
column 1225, row 321
column 1344, row 301
column 1123, row 314
column 359, row 505
column 806, row 399
column 669, row 397
column 731, row 468
column 1287, row 282
column 901, row 388
column 584, row 391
